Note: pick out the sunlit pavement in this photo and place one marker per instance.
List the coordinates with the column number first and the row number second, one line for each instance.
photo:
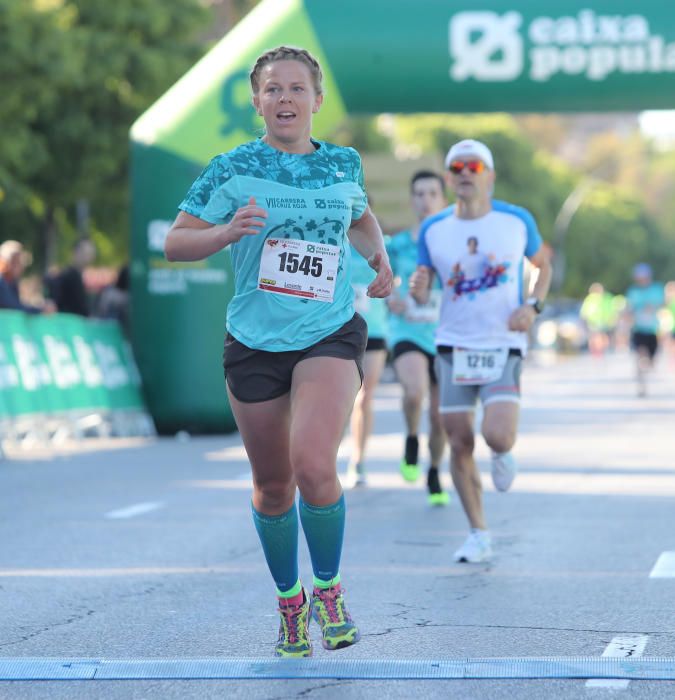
column 145, row 549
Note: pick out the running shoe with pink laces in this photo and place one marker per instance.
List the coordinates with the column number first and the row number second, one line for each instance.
column 337, row 627
column 294, row 641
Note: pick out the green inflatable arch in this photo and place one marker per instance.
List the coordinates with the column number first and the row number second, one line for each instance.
column 377, row 56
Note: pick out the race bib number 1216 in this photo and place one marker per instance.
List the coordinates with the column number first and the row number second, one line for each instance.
column 478, row 366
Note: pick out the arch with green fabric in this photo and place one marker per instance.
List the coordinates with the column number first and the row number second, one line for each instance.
column 427, row 56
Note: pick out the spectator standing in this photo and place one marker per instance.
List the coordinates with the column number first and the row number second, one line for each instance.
column 69, row 291
column 113, row 302
column 14, row 259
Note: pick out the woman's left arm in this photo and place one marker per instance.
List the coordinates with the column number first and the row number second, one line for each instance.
column 366, row 236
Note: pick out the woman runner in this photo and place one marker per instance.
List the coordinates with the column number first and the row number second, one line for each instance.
column 287, row 207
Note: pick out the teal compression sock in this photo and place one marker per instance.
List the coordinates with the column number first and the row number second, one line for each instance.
column 279, row 538
column 324, row 528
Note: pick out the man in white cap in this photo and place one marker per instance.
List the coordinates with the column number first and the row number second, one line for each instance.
column 477, row 248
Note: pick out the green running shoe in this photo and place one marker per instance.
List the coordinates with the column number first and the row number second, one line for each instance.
column 409, row 469
column 294, row 641
column 337, row 627
column 437, row 497
column 410, row 472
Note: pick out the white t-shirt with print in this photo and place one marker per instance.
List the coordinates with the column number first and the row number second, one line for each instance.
column 479, row 298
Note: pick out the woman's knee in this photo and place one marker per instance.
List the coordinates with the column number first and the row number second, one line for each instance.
column 273, row 493
column 318, row 485
column 312, row 468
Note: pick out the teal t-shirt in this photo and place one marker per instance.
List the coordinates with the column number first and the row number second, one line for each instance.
column 644, row 303
column 311, row 200
column 402, row 250
column 374, row 311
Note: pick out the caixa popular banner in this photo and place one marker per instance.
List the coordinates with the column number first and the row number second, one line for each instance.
column 433, row 56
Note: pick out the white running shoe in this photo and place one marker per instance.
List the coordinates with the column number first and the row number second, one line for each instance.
column 477, row 548
column 504, row 470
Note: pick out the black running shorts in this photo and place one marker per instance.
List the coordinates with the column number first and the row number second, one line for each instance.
column 376, row 344
column 648, row 341
column 258, row 375
column 404, row 346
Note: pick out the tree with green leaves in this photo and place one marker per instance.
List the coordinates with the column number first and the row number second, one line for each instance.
column 36, row 65
column 80, row 72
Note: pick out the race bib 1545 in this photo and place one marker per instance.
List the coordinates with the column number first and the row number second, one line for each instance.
column 299, row 268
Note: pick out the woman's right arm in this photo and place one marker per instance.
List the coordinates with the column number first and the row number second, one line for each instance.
column 191, row 238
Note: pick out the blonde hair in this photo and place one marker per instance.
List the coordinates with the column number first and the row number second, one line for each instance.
column 287, row 53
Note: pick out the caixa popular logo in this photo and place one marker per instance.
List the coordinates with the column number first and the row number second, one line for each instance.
column 486, row 46
column 490, row 47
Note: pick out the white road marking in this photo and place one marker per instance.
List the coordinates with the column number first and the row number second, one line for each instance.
column 136, row 509
column 620, row 647
column 664, row 567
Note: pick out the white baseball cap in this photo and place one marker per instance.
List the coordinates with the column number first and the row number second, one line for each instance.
column 469, row 147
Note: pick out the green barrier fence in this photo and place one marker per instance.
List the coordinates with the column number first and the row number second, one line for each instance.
column 24, row 374
column 66, row 376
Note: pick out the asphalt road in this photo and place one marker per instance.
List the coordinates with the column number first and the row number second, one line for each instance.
column 145, row 549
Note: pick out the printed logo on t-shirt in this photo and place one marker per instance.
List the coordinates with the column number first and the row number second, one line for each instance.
column 476, row 271
column 335, row 203
column 285, row 203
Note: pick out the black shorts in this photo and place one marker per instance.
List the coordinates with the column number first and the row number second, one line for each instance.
column 376, row 344
column 405, row 346
column 648, row 341
column 258, row 375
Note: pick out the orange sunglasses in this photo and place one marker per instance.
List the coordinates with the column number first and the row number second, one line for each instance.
column 474, row 166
